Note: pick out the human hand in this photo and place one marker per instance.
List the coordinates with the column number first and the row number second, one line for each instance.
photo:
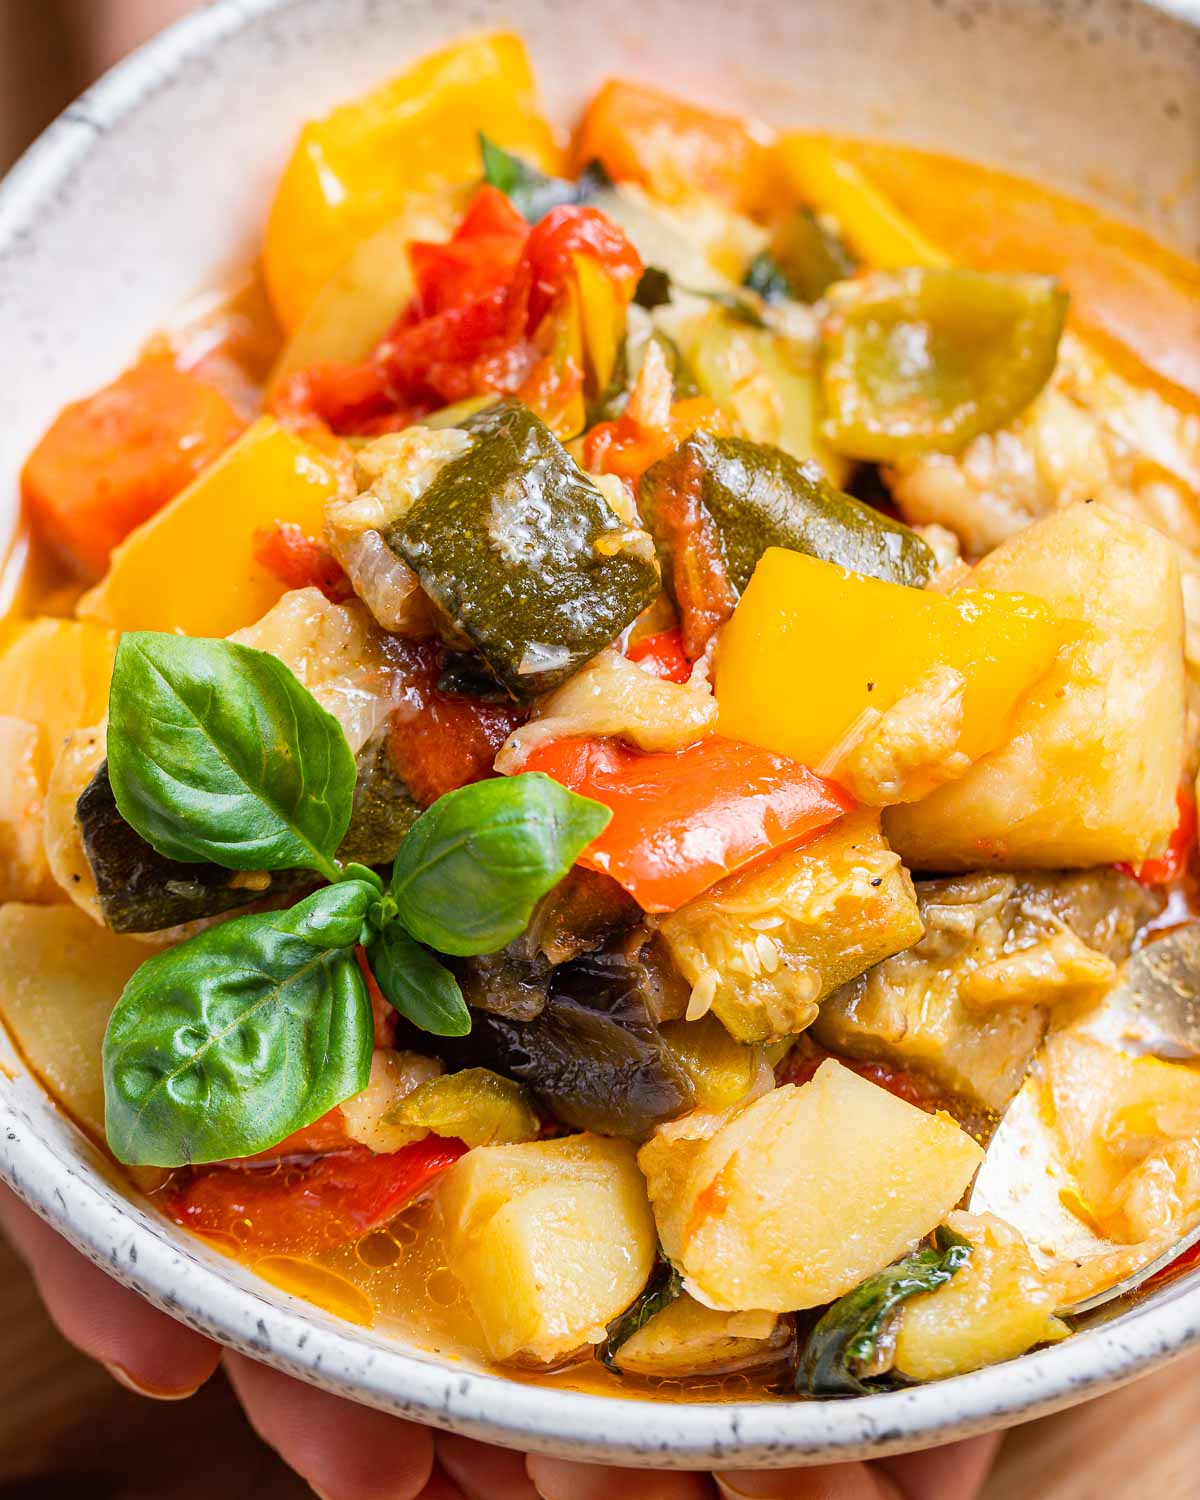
column 349, row 1452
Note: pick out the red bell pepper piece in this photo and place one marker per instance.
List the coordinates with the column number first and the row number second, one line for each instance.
column 663, row 654
column 480, row 256
column 300, row 561
column 568, row 231
column 329, row 1201
column 1175, row 861
column 680, row 822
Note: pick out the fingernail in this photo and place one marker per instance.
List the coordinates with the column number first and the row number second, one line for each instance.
column 728, row 1489
column 131, row 1383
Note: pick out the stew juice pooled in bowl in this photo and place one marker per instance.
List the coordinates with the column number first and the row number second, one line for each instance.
column 569, row 752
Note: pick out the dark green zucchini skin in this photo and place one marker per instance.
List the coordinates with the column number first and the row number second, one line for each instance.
column 504, row 541
column 593, row 1054
column 141, row 890
column 755, row 496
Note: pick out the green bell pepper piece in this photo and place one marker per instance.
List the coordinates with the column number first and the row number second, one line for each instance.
column 924, row 359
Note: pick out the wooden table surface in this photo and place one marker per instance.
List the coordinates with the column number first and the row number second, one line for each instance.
column 67, row 1432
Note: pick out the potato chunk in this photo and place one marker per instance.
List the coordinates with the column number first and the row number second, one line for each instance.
column 767, row 945
column 687, row 1338
column 1090, row 772
column 798, row 1197
column 552, row 1240
column 967, row 1005
column 62, row 977
column 994, row 1308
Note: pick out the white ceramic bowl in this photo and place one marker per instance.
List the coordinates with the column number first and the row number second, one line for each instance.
column 155, row 183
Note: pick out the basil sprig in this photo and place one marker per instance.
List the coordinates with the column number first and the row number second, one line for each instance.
column 531, row 192
column 840, row 1354
column 228, row 1042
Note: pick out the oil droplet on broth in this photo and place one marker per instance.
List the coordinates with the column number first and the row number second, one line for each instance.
column 444, row 1287
column 317, row 1284
column 378, row 1250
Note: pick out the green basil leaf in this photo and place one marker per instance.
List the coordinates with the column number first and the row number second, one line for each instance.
column 663, row 1288
column 474, row 865
column 531, row 192
column 232, row 1040
column 216, row 752
column 416, row 984
column 842, row 1347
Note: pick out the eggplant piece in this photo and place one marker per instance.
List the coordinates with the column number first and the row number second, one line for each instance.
column 594, row 1056
column 754, row 496
column 523, row 553
column 141, row 890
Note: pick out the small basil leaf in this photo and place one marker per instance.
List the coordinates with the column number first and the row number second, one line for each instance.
column 234, row 1039
column 842, row 1346
column 216, row 752
column 531, row 192
column 475, row 864
column 663, row 1288
column 416, row 984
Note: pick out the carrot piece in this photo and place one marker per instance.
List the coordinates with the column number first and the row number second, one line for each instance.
column 108, row 462
column 673, row 148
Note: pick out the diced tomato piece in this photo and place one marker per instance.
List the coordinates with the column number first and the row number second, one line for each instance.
column 572, row 230
column 1174, row 863
column 480, row 256
column 300, row 561
column 346, row 398
column 627, row 448
column 806, row 1057
column 437, row 742
column 329, row 1201
column 680, row 822
column 675, row 149
column 109, row 462
column 663, row 654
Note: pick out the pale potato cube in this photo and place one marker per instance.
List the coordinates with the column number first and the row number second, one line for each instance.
column 24, row 872
column 687, row 1338
column 551, row 1239
column 769, row 944
column 995, row 1307
column 799, row 1196
column 62, row 977
column 1090, row 773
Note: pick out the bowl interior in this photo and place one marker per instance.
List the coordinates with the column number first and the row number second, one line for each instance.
column 154, row 185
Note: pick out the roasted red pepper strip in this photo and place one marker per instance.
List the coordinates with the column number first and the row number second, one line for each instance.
column 663, row 654
column 329, row 1201
column 1175, row 861
column 681, row 822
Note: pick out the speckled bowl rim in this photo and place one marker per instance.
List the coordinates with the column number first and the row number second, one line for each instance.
column 240, row 1311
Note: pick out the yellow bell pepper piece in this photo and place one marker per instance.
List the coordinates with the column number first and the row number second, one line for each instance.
column 357, row 167
column 873, row 227
column 55, row 673
column 813, row 653
column 192, row 567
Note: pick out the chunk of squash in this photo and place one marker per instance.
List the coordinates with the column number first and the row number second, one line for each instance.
column 357, row 167
column 24, row 871
column 61, row 978
column 769, row 944
column 688, row 1339
column 551, row 1239
column 994, row 1308
column 193, row 566
column 928, row 682
column 1095, row 754
column 802, row 1194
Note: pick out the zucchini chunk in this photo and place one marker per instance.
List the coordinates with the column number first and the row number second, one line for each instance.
column 523, row 553
column 967, row 1004
column 140, row 890
column 768, row 945
column 687, row 1339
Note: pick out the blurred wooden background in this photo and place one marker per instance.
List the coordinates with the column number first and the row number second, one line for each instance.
column 67, row 1432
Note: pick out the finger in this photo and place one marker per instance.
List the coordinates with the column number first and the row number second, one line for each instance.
column 483, row 1472
column 553, row 1479
column 344, row 1451
column 441, row 1487
column 141, row 1347
column 826, row 1482
column 953, row 1473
